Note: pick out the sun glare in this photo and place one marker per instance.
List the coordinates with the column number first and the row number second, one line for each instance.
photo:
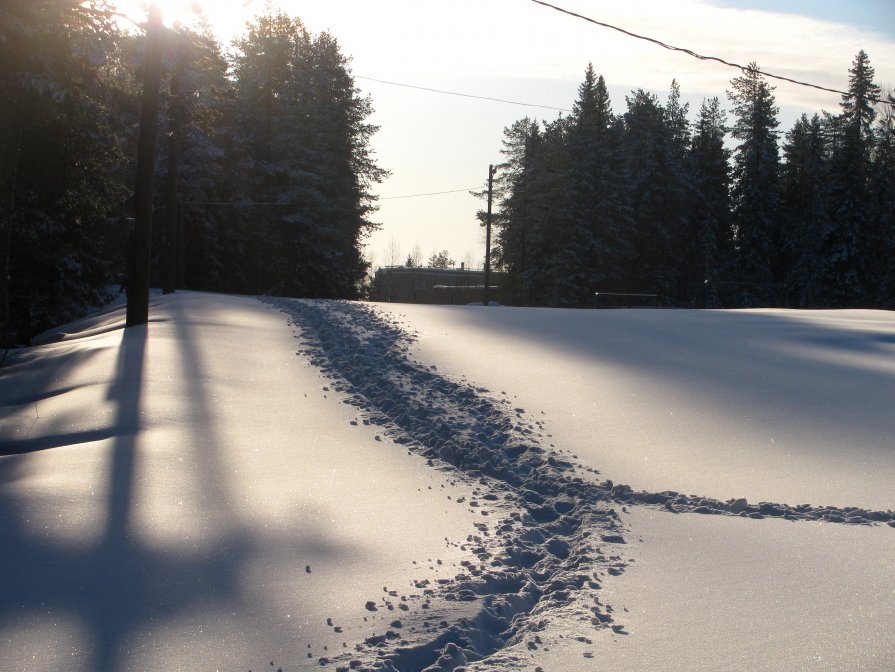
column 180, row 11
column 222, row 15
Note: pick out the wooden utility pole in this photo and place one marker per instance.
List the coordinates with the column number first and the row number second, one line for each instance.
column 488, row 235
column 138, row 273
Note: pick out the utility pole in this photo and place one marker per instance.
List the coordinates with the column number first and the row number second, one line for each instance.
column 138, row 273
column 488, row 235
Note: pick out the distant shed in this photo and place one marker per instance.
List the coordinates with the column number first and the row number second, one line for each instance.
column 453, row 286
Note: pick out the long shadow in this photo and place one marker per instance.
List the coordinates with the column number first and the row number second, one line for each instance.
column 752, row 364
column 34, row 397
column 117, row 586
column 33, row 376
column 206, row 443
column 44, row 373
column 115, row 545
column 23, row 446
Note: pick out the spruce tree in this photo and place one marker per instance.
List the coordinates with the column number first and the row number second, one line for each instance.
column 883, row 210
column 529, row 194
column 804, row 209
column 654, row 151
column 511, row 217
column 709, row 243
column 755, row 196
column 267, row 143
column 196, row 99
column 851, row 241
column 302, row 144
column 676, row 119
column 546, row 190
column 596, row 215
column 331, row 254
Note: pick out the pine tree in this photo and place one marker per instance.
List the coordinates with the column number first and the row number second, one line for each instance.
column 441, row 260
column 755, row 193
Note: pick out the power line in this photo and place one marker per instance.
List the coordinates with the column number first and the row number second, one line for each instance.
column 701, row 57
column 463, row 95
column 252, row 204
column 431, row 193
column 235, row 204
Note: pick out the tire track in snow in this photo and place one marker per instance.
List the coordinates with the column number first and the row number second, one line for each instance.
column 558, row 534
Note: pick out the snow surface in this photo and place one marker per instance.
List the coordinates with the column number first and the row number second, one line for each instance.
column 418, row 487
column 776, row 405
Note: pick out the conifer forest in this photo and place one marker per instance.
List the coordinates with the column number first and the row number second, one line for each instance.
column 721, row 211
column 264, row 179
column 263, row 162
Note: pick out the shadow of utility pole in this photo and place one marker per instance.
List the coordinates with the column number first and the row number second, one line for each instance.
column 117, row 587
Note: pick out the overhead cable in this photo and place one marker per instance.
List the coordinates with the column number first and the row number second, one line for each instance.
column 701, row 57
column 463, row 95
column 431, row 193
column 251, row 204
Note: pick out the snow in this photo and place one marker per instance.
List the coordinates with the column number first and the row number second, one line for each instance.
column 290, row 484
column 771, row 405
column 716, row 593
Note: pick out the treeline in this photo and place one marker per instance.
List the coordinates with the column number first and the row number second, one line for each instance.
column 648, row 202
column 264, row 168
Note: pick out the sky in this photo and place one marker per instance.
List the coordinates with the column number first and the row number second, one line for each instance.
column 520, row 51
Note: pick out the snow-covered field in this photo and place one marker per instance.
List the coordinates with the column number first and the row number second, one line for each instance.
column 248, row 485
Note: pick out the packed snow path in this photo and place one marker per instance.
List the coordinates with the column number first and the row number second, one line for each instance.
column 552, row 528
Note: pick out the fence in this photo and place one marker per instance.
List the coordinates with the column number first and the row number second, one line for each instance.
column 625, row 300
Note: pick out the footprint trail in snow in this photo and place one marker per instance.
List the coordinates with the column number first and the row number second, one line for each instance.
column 551, row 532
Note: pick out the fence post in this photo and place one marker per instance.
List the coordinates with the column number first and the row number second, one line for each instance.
column 486, row 301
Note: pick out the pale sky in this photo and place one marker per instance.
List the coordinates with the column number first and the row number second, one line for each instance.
column 520, row 51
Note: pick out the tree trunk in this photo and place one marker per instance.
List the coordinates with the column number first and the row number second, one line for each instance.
column 138, row 280
column 171, row 212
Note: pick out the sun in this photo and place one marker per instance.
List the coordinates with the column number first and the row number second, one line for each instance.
column 180, row 11
column 136, row 12
column 222, row 15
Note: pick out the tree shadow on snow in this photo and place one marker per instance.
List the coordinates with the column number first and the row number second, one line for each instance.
column 745, row 363
column 119, row 589
column 115, row 586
